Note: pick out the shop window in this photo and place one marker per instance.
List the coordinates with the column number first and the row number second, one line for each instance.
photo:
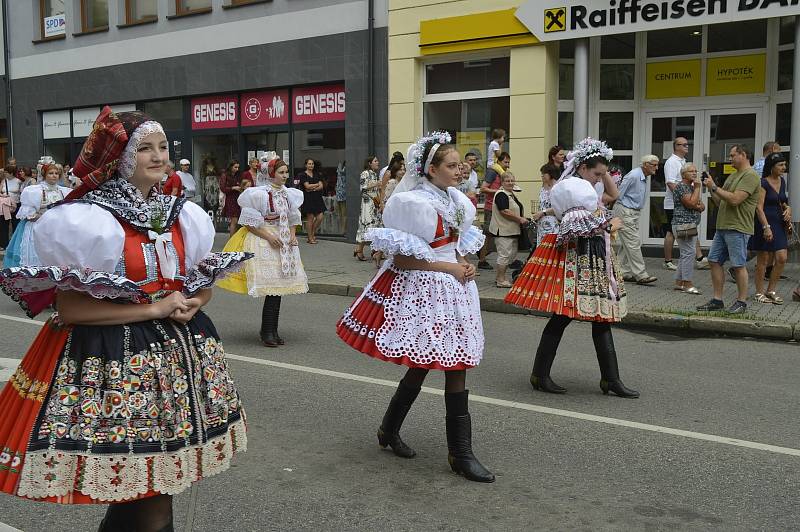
column 617, row 82
column 60, row 152
column 211, row 155
column 467, row 76
column 786, row 31
column 140, row 10
column 94, row 15
column 168, row 112
column 184, row 7
column 675, row 41
column 783, row 125
column 50, row 8
column 326, row 148
column 746, row 35
column 618, row 46
column 470, row 122
column 623, row 162
column 566, row 81
column 785, row 70
column 617, row 130
column 566, row 49
column 565, row 119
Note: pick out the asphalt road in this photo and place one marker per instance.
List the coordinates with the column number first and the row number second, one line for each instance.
column 582, row 461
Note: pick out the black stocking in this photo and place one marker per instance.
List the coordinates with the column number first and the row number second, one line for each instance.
column 153, row 514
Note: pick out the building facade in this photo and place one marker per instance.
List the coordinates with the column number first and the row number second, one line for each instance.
column 228, row 79
column 721, row 78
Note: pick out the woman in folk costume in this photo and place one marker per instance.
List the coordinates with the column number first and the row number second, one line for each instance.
column 125, row 396
column 34, row 201
column 422, row 308
column 270, row 215
column 573, row 273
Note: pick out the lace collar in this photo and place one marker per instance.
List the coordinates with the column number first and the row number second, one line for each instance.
column 451, row 210
column 157, row 212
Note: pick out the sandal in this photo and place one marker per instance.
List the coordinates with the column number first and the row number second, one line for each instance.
column 692, row 290
column 679, row 288
column 646, row 280
column 503, row 284
column 360, row 256
column 775, row 298
column 761, row 298
column 796, row 294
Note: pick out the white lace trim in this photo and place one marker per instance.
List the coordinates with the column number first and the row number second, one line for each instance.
column 127, row 161
column 251, row 217
column 53, row 473
column 470, row 241
column 396, row 242
column 431, row 317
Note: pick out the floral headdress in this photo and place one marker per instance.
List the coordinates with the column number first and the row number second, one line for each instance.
column 417, row 167
column 583, row 151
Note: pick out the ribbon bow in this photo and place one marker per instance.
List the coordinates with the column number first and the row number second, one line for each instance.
column 166, row 261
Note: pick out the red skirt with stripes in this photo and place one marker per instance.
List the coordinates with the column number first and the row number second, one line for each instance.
column 579, row 280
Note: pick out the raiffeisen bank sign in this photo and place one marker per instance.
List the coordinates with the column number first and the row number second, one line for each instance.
column 554, row 20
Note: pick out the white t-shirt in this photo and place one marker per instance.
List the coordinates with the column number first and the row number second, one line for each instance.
column 473, row 179
column 189, row 184
column 672, row 174
column 493, row 147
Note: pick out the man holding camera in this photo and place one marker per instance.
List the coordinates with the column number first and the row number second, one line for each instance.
column 737, row 200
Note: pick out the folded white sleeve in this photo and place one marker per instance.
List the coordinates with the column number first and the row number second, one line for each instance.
column 409, row 227
column 198, row 234
column 29, row 201
column 295, row 201
column 253, row 202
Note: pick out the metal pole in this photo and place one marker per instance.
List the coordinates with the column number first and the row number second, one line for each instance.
column 6, row 55
column 580, row 120
column 371, row 77
column 794, row 167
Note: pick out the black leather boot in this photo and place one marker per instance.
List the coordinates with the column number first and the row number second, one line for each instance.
column 459, row 439
column 607, row 359
column 277, row 318
column 545, row 355
column 268, row 322
column 389, row 431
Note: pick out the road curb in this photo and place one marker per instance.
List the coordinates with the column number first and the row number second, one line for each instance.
column 709, row 326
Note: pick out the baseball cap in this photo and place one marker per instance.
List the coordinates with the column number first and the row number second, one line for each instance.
column 184, row 161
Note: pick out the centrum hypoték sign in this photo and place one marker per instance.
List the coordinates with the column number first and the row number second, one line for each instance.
column 551, row 20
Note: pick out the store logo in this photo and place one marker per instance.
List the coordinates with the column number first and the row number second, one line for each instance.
column 278, row 109
column 555, row 19
column 252, row 109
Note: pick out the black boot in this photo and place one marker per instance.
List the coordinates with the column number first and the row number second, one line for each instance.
column 459, row 439
column 277, row 318
column 545, row 354
column 117, row 519
column 607, row 359
column 268, row 322
column 389, row 431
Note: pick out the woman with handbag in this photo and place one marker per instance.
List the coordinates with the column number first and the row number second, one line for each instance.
column 370, row 204
column 506, row 227
column 685, row 219
column 772, row 227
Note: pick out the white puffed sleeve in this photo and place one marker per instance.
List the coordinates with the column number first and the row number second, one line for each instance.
column 198, row 234
column 253, row 202
column 409, row 227
column 577, row 207
column 79, row 235
column 295, row 201
column 29, row 201
column 470, row 238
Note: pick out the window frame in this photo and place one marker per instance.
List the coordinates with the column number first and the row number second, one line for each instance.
column 42, row 38
column 181, row 11
column 129, row 20
column 85, row 19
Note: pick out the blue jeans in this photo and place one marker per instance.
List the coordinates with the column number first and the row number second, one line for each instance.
column 729, row 244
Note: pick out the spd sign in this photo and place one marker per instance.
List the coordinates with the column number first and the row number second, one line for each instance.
column 55, row 25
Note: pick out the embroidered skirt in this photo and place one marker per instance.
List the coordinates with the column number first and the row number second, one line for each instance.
column 261, row 276
column 416, row 318
column 99, row 414
column 574, row 280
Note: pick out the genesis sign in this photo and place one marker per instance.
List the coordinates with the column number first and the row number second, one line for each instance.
column 554, row 20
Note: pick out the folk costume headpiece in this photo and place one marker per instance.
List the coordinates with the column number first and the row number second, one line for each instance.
column 110, row 150
column 584, row 150
column 419, row 158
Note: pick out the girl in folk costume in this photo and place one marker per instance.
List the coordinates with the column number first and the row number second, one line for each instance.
column 270, row 215
column 573, row 273
column 34, row 201
column 422, row 308
column 124, row 397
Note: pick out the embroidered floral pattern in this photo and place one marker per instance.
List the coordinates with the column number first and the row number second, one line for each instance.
column 213, row 268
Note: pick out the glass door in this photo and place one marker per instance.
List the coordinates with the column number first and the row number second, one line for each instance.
column 725, row 127
column 661, row 130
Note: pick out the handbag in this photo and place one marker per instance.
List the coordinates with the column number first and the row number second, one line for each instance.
column 685, row 230
column 524, row 240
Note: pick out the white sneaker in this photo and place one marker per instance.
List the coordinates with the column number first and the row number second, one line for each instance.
column 668, row 265
column 702, row 264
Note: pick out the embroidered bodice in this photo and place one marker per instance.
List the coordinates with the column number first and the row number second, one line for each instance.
column 35, row 199
column 141, row 264
column 263, row 205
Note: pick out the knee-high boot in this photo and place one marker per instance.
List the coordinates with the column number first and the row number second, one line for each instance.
column 546, row 354
column 607, row 359
column 277, row 319
column 389, row 431
column 269, row 322
column 459, row 439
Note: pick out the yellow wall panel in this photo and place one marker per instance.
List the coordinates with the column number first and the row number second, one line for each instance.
column 455, row 6
column 404, row 46
column 527, row 115
column 402, row 123
column 403, row 87
column 528, row 67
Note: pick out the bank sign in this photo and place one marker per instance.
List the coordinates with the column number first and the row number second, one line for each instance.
column 555, row 20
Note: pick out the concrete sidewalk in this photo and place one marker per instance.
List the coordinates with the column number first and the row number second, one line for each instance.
column 332, row 269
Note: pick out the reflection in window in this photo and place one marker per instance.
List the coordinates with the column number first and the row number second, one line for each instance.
column 618, row 46
column 676, row 41
column 623, row 162
column 476, row 75
column 565, row 129
column 617, row 130
column 658, row 218
column 326, row 148
column 617, row 82
column 49, row 8
column 94, row 14
column 737, row 36
column 783, row 126
column 168, row 112
column 785, row 70
column 211, row 156
column 141, row 10
column 566, row 81
column 566, row 49
column 187, row 6
column 787, row 30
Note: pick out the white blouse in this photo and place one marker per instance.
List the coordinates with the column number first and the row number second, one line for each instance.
column 11, row 187
column 256, row 210
column 35, row 198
